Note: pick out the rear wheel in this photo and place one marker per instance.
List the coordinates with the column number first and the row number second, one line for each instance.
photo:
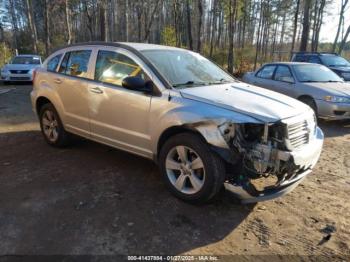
column 52, row 127
column 190, row 169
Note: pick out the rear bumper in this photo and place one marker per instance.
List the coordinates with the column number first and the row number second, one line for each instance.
column 305, row 158
column 335, row 111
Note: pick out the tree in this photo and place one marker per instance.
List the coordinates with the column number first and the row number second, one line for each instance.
column 69, row 22
column 232, row 11
column 47, row 27
column 189, row 25
column 12, row 10
column 32, row 25
column 343, row 42
column 295, row 25
column 318, row 18
column 306, row 26
column 344, row 3
column 199, row 26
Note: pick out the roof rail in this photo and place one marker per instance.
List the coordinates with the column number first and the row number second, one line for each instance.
column 316, row 53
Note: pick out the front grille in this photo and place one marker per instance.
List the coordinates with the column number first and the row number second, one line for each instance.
column 19, row 78
column 19, row 71
column 298, row 134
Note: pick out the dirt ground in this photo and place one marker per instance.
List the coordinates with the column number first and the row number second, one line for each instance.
column 92, row 199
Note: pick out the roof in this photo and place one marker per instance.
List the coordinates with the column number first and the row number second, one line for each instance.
column 28, row 55
column 288, row 63
column 129, row 45
column 145, row 46
column 315, row 53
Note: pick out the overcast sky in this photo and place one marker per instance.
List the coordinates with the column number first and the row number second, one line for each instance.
column 330, row 23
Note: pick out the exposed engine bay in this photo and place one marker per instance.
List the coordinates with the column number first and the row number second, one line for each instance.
column 262, row 154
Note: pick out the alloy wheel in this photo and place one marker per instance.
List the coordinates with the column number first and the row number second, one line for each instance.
column 50, row 126
column 185, row 169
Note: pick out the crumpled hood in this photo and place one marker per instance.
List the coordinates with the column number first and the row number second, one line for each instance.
column 260, row 103
column 20, row 66
column 337, row 89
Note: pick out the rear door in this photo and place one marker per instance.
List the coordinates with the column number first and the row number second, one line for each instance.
column 71, row 85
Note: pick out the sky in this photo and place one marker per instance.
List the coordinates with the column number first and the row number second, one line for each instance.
column 330, row 23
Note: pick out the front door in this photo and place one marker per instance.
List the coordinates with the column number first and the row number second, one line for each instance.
column 119, row 116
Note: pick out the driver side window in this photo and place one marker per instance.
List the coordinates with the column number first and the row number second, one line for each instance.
column 112, row 67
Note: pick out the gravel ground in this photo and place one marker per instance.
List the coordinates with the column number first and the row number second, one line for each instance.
column 92, row 199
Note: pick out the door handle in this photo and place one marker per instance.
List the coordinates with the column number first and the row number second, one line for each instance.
column 96, row 90
column 57, row 81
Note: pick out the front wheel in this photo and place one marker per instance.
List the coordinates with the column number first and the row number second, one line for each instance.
column 190, row 169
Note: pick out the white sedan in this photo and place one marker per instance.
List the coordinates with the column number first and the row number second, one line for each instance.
column 20, row 68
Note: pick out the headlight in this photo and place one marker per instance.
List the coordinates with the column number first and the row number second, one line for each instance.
column 4, row 71
column 337, row 99
column 227, row 130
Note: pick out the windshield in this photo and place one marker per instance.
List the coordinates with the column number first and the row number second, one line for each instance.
column 187, row 69
column 332, row 60
column 315, row 73
column 26, row 60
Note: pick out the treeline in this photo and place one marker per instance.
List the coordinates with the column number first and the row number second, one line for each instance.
column 238, row 34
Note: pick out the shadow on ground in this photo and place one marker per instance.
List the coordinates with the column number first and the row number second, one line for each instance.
column 92, row 199
column 335, row 128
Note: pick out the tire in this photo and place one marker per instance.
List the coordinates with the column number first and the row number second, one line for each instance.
column 50, row 123
column 311, row 103
column 196, row 185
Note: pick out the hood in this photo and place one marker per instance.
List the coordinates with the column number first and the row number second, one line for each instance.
column 338, row 88
column 341, row 68
column 20, row 66
column 260, row 103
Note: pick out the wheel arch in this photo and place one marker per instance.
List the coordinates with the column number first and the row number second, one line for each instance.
column 306, row 96
column 40, row 102
column 175, row 130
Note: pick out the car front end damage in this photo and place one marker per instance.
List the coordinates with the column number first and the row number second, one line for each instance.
column 266, row 160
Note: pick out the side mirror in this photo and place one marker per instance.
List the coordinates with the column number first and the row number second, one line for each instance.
column 134, row 83
column 138, row 84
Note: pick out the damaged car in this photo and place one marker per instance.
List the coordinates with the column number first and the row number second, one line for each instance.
column 205, row 129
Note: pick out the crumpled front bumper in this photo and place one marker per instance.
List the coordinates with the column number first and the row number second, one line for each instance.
column 305, row 158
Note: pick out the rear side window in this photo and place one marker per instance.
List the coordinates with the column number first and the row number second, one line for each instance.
column 53, row 63
column 266, row 72
column 76, row 63
column 314, row 59
column 112, row 67
column 300, row 58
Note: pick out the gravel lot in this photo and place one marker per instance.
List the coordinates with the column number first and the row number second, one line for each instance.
column 92, row 199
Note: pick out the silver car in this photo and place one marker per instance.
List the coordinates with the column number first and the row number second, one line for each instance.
column 205, row 129
column 20, row 68
column 315, row 85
